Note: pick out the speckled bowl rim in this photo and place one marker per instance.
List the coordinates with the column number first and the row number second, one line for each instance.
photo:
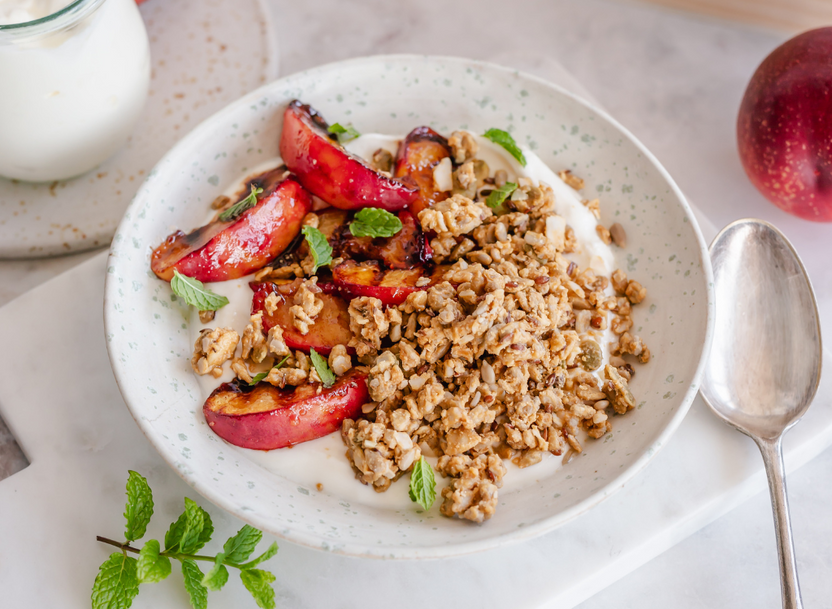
column 213, row 491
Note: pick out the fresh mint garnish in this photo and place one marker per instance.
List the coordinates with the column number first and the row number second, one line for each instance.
column 118, row 579
column 139, row 508
column 422, row 484
column 116, row 584
column 344, row 134
column 261, row 375
column 234, row 212
column 498, row 196
column 318, row 245
column 322, row 367
column 504, row 139
column 375, row 222
column 195, row 293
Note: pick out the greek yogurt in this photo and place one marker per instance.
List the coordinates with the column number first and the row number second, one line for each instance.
column 73, row 86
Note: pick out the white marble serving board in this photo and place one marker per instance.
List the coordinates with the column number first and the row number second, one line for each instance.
column 60, row 400
column 204, row 55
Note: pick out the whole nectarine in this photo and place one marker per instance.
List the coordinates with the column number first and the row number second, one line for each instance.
column 784, row 128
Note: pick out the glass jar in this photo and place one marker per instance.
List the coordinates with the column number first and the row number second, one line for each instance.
column 72, row 86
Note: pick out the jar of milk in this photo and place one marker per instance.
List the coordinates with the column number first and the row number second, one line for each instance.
column 74, row 76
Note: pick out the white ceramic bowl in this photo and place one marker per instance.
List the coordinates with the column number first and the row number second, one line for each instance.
column 148, row 334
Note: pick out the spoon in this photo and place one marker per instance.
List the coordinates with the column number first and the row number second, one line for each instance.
column 765, row 360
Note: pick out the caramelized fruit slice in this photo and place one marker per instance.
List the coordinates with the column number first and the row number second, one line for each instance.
column 330, row 172
column 419, row 153
column 392, row 287
column 227, row 250
column 404, row 250
column 331, row 327
column 264, row 417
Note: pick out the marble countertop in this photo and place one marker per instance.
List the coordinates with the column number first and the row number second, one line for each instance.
column 675, row 80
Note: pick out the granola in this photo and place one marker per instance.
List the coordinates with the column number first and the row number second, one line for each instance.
column 514, row 352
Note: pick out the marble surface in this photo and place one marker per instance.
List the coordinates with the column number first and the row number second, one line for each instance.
column 676, row 81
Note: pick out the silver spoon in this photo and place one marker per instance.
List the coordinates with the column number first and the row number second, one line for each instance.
column 765, row 360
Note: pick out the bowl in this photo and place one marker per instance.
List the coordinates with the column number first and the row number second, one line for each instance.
column 148, row 334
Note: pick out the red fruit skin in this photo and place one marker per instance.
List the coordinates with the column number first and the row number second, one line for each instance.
column 784, row 128
column 264, row 417
column 390, row 287
column 331, row 327
column 248, row 244
column 420, row 152
column 330, row 172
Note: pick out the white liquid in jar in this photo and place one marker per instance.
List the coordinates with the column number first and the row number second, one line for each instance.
column 69, row 99
column 21, row 11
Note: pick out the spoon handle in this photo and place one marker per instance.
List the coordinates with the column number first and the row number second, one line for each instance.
column 773, row 458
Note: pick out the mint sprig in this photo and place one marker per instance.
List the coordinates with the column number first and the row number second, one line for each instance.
column 318, row 245
column 504, row 139
column 422, row 484
column 118, row 579
column 498, row 196
column 328, row 377
column 375, row 222
column 195, row 293
column 261, row 375
column 236, row 210
column 344, row 134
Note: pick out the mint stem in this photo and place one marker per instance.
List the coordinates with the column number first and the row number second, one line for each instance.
column 120, row 546
column 126, row 547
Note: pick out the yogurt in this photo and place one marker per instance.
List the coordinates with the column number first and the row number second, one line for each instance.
column 72, row 86
column 322, row 461
column 20, row 11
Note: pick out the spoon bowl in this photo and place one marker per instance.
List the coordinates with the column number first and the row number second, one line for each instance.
column 765, row 361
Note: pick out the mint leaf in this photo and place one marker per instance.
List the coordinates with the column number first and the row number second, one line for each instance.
column 422, row 484
column 116, row 584
column 236, row 210
column 375, row 222
column 270, row 551
column 261, row 375
column 328, row 377
column 344, row 134
column 216, row 578
column 151, row 566
column 195, row 293
column 139, row 506
column 318, row 245
column 191, row 531
column 239, row 548
column 193, row 584
column 504, row 139
column 497, row 197
column 259, row 584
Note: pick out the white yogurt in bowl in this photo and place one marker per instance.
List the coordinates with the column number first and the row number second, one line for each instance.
column 74, row 77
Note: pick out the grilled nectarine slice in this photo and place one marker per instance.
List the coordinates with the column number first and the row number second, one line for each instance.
column 227, row 250
column 420, row 152
column 328, row 171
column 264, row 417
column 392, row 287
column 331, row 327
column 404, row 250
